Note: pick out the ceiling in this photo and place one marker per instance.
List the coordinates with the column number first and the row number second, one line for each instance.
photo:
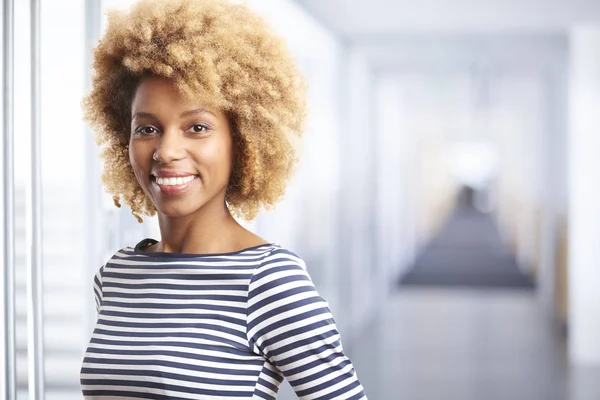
column 434, row 35
column 357, row 18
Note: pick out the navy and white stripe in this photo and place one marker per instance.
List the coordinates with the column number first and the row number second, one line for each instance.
column 216, row 326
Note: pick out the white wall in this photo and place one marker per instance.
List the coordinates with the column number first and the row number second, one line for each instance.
column 584, row 191
column 357, row 224
column 519, row 128
column 395, row 175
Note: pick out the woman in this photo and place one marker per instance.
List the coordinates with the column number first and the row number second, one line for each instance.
column 196, row 104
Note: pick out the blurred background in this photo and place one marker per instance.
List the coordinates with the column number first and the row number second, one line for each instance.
column 446, row 204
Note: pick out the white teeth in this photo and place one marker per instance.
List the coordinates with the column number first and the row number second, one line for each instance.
column 174, row 181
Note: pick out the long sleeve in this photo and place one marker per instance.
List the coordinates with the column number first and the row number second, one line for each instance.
column 98, row 289
column 291, row 325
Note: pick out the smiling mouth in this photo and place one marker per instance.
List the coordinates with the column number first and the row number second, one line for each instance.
column 172, row 181
column 173, row 185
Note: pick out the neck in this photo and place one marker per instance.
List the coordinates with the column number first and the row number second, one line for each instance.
column 206, row 231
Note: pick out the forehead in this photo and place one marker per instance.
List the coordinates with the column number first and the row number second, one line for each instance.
column 156, row 92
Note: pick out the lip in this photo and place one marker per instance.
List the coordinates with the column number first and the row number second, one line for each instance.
column 175, row 189
column 171, row 174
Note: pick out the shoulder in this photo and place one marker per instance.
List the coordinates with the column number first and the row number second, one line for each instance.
column 276, row 253
column 280, row 270
column 279, row 259
column 116, row 257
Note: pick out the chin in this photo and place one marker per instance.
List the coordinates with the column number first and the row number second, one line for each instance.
column 192, row 203
column 177, row 210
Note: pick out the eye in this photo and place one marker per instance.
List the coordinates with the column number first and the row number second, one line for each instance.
column 146, row 130
column 198, row 128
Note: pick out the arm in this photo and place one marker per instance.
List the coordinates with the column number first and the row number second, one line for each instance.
column 291, row 325
column 98, row 289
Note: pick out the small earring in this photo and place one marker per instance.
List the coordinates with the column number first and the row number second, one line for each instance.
column 155, row 156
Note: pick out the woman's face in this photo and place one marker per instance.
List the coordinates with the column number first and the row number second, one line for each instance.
column 180, row 149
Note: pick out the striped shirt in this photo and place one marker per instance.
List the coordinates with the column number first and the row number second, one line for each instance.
column 214, row 326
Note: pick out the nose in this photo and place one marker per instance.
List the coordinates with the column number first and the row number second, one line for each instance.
column 170, row 147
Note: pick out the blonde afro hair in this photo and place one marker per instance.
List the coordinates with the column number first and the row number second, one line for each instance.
column 218, row 51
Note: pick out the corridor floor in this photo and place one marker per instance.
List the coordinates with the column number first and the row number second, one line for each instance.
column 459, row 344
column 469, row 252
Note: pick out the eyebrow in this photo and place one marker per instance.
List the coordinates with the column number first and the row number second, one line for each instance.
column 182, row 115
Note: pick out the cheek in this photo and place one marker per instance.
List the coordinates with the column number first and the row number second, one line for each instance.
column 138, row 159
column 218, row 156
column 227, row 159
column 132, row 157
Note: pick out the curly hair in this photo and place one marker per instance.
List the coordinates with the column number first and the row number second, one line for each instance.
column 218, row 51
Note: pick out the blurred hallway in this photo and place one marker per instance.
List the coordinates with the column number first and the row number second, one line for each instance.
column 461, row 327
